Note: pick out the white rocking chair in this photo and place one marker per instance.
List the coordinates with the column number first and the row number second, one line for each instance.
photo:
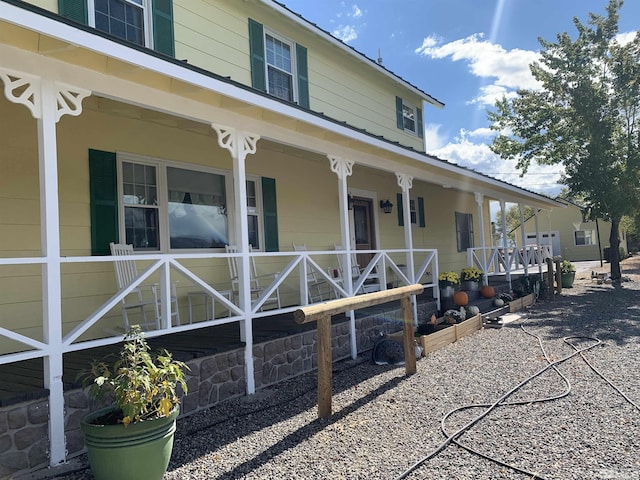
column 126, row 274
column 371, row 284
column 318, row 289
column 257, row 289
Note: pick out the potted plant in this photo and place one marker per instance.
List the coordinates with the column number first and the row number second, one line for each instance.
column 471, row 277
column 133, row 437
column 448, row 281
column 567, row 273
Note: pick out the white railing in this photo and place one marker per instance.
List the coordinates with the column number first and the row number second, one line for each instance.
column 500, row 261
column 388, row 266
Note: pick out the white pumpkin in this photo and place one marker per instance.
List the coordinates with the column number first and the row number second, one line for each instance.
column 498, row 302
column 473, row 310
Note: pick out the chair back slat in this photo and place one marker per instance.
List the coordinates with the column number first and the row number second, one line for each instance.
column 126, row 270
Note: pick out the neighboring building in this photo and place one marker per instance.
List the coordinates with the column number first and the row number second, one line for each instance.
column 184, row 126
column 570, row 234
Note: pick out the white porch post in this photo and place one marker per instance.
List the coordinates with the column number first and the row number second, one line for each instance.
column 535, row 216
column 239, row 144
column 505, row 242
column 405, row 182
column 343, row 169
column 524, row 240
column 48, row 101
column 480, row 201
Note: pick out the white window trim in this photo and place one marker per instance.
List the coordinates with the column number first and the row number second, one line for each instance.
column 163, row 198
column 415, row 117
column 592, row 237
column 259, row 210
column 147, row 18
column 294, row 64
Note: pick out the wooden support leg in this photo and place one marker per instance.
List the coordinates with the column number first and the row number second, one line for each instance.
column 408, row 337
column 558, row 274
column 550, row 282
column 324, row 366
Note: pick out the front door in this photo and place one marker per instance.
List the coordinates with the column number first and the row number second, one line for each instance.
column 364, row 229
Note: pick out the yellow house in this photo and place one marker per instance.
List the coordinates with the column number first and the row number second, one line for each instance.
column 570, row 234
column 223, row 140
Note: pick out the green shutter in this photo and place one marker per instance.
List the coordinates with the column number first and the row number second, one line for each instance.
column 162, row 12
column 421, row 221
column 420, row 123
column 399, row 115
column 256, row 52
column 303, row 76
column 270, row 213
column 103, row 196
column 74, row 9
column 400, row 209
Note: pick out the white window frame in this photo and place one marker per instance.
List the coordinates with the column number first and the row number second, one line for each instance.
column 413, row 210
column 414, row 110
column 294, row 66
column 163, row 198
column 147, row 18
column 257, row 211
column 591, row 238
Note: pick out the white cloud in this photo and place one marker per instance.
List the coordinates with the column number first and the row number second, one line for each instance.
column 509, row 69
column 346, row 33
column 434, row 140
column 479, row 157
column 355, row 11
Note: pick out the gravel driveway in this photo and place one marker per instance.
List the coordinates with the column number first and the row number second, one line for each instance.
column 385, row 422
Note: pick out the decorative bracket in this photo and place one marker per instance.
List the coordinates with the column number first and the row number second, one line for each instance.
column 238, row 143
column 479, row 198
column 405, row 182
column 23, row 88
column 341, row 167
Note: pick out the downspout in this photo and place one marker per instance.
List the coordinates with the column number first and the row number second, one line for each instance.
column 480, row 201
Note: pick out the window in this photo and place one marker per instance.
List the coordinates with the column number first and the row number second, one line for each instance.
column 148, row 23
column 584, row 237
column 279, row 68
column 464, row 231
column 416, row 211
column 193, row 202
column 158, row 206
column 409, row 117
column 412, row 211
column 278, row 65
column 254, row 214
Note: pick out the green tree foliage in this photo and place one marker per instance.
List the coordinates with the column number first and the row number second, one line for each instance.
column 585, row 116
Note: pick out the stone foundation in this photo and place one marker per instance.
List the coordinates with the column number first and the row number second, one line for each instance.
column 24, row 440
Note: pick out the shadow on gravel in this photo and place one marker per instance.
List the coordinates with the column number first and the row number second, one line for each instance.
column 610, row 314
column 203, row 440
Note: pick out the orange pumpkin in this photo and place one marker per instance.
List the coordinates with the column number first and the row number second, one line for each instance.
column 487, row 291
column 460, row 298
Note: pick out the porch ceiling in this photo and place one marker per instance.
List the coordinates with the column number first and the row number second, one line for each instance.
column 136, row 82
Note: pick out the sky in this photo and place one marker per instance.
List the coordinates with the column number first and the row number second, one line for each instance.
column 465, row 53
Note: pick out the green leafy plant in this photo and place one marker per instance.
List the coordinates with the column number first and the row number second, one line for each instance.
column 567, row 267
column 142, row 386
column 471, row 274
column 448, row 279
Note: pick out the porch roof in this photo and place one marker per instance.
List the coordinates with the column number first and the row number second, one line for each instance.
column 35, row 41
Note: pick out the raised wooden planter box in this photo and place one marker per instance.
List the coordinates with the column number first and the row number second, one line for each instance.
column 437, row 340
column 520, row 303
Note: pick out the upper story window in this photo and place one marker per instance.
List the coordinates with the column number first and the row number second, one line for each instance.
column 126, row 19
column 278, row 65
column 148, row 23
column 409, row 117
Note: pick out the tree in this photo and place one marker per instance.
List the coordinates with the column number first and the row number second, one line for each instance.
column 585, row 116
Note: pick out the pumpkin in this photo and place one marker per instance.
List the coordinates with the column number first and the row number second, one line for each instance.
column 498, row 302
column 460, row 298
column 487, row 291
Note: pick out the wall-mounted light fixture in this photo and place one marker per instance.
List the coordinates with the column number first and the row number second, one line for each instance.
column 386, row 206
column 349, row 202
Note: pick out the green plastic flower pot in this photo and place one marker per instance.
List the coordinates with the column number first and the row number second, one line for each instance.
column 139, row 451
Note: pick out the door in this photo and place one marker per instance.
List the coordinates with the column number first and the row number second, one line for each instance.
column 364, row 229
